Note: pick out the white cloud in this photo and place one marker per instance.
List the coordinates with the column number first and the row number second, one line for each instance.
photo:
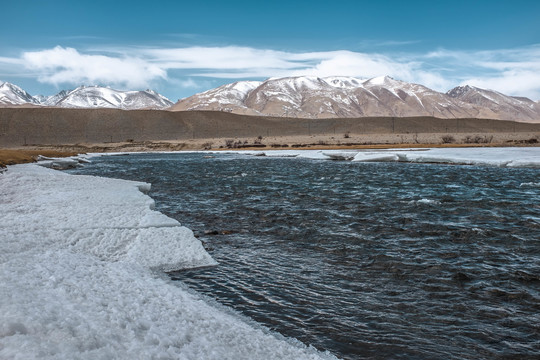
column 241, row 62
column 11, row 61
column 512, row 71
column 223, row 58
column 346, row 63
column 511, row 82
column 68, row 66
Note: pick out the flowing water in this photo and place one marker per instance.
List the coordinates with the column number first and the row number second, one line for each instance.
column 365, row 260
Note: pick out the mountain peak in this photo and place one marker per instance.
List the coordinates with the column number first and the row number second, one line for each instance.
column 344, row 81
column 106, row 97
column 11, row 94
column 348, row 97
column 381, row 80
column 459, row 91
column 86, row 97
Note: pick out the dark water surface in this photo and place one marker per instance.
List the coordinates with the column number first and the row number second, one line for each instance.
column 366, row 260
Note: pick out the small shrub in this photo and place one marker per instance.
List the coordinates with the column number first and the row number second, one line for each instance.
column 448, row 139
column 478, row 139
column 347, row 135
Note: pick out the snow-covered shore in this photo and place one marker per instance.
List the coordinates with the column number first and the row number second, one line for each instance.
column 489, row 156
column 81, row 262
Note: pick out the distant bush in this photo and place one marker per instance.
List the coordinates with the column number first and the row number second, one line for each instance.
column 529, row 141
column 347, row 135
column 448, row 139
column 478, row 139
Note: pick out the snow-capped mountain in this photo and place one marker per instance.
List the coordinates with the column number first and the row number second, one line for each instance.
column 102, row 97
column 332, row 97
column 86, row 97
column 229, row 98
column 53, row 99
column 493, row 104
column 13, row 95
column 313, row 97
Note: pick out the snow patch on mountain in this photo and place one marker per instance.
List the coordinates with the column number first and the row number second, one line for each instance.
column 494, row 104
column 341, row 96
column 11, row 94
column 102, row 97
column 86, row 97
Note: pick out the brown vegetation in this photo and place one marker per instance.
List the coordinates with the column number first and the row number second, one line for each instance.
column 110, row 130
column 12, row 157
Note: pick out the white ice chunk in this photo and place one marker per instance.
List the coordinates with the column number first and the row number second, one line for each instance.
column 490, row 156
column 75, row 260
column 375, row 156
column 425, row 201
column 522, row 157
column 340, row 155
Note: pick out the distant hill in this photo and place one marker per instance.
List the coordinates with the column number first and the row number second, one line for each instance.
column 86, row 97
column 347, row 97
column 306, row 97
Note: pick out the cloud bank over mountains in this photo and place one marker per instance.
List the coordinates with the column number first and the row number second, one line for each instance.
column 512, row 71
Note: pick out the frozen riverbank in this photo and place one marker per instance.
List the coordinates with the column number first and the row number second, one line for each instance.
column 80, row 260
column 493, row 156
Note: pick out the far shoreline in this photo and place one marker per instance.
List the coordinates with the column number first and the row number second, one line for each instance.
column 31, row 153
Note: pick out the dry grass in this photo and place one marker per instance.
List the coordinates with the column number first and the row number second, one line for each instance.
column 372, row 146
column 12, row 157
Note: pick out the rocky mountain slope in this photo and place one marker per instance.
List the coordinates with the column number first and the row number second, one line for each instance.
column 101, row 97
column 86, row 97
column 302, row 97
column 11, row 94
column 346, row 97
column 493, row 104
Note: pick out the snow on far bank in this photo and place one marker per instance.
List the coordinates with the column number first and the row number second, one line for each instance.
column 491, row 156
column 78, row 261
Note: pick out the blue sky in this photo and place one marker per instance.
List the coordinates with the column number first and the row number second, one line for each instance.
column 182, row 47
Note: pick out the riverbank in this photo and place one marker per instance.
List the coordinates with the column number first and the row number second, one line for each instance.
column 23, row 156
column 212, row 129
column 28, row 154
column 82, row 261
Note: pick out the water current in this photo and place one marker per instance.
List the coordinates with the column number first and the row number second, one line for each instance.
column 365, row 260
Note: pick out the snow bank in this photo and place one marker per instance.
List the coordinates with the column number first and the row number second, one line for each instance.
column 75, row 260
column 503, row 157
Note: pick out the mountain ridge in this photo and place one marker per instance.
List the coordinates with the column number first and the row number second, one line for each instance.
column 301, row 97
column 349, row 97
column 85, row 97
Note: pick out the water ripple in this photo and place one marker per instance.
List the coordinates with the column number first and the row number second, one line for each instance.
column 366, row 260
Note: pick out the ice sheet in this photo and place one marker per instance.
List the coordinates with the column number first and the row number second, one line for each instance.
column 491, row 156
column 76, row 254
